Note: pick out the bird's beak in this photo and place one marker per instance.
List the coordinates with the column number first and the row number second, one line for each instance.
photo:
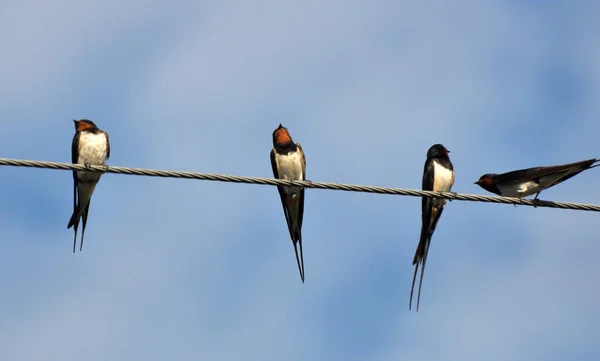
column 476, row 182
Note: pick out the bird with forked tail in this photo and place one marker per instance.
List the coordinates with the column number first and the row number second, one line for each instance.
column 525, row 182
column 91, row 146
column 288, row 162
column 438, row 176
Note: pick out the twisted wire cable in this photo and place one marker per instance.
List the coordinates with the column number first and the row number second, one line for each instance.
column 452, row 196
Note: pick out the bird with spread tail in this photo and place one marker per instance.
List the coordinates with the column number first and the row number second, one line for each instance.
column 90, row 146
column 525, row 182
column 288, row 162
column 438, row 176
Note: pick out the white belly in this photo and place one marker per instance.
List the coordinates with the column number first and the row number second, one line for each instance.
column 528, row 188
column 520, row 190
column 443, row 178
column 290, row 166
column 92, row 149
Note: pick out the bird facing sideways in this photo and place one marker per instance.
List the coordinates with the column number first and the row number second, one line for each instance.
column 525, row 182
column 91, row 146
column 288, row 162
column 438, row 176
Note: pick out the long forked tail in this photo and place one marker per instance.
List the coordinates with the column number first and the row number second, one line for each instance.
column 299, row 260
column 412, row 288
column 420, row 259
column 84, row 196
column 421, row 282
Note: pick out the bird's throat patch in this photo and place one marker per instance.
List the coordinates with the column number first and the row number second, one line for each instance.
column 282, row 136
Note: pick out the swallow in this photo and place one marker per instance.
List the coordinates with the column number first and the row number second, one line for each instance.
column 288, row 162
column 91, row 146
column 525, row 182
column 438, row 176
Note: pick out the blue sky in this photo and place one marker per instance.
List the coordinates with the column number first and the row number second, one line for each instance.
column 188, row 270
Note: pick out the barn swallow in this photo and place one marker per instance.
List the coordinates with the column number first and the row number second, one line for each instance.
column 288, row 162
column 90, row 146
column 525, row 182
column 438, row 176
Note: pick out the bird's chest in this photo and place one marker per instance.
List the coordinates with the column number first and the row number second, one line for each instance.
column 92, row 149
column 443, row 178
column 290, row 166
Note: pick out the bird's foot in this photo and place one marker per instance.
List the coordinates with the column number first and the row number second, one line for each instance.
column 454, row 194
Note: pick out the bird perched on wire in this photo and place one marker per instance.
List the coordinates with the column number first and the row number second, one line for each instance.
column 525, row 182
column 288, row 162
column 91, row 146
column 438, row 176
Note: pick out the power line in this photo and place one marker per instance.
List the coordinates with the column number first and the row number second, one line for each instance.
column 307, row 184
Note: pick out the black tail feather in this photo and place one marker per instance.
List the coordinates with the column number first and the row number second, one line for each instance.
column 74, row 219
column 421, row 282
column 299, row 260
column 412, row 288
column 76, row 225
column 420, row 259
column 84, row 217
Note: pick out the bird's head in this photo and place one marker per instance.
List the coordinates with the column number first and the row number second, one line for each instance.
column 84, row 124
column 486, row 182
column 437, row 151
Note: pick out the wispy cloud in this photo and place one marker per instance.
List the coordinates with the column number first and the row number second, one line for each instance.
column 187, row 270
